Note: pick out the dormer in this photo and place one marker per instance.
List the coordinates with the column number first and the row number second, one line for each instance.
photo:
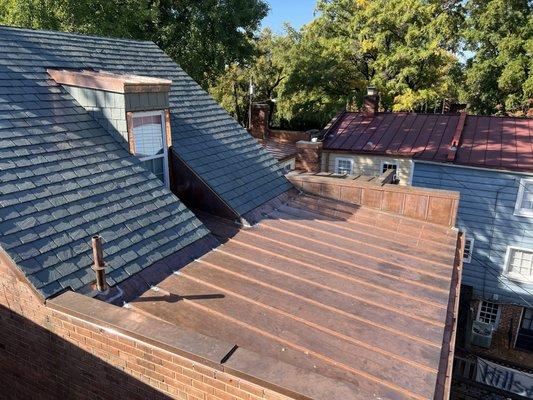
column 134, row 109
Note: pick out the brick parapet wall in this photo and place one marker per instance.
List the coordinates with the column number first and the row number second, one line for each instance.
column 45, row 353
column 503, row 338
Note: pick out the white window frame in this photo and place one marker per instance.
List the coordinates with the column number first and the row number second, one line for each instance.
column 338, row 159
column 498, row 313
column 391, row 162
column 472, row 240
column 508, row 273
column 518, row 210
column 165, row 145
column 288, row 165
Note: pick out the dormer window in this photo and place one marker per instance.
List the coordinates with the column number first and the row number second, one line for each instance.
column 149, row 142
column 134, row 109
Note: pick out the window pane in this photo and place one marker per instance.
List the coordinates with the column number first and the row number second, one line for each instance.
column 387, row 166
column 488, row 312
column 468, row 250
column 527, row 199
column 521, row 263
column 156, row 166
column 344, row 166
column 148, row 134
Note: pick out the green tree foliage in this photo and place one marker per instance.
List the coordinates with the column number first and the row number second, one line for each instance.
column 499, row 77
column 202, row 36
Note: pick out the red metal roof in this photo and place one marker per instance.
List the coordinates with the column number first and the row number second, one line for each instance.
column 492, row 142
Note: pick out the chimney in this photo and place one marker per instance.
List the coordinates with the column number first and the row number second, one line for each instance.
column 371, row 101
column 259, row 120
column 309, row 156
column 99, row 264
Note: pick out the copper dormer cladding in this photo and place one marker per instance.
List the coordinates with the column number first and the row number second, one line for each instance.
column 110, row 82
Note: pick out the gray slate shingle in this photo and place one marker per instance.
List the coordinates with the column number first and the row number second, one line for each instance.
column 63, row 178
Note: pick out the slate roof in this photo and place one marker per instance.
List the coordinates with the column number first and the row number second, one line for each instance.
column 485, row 141
column 63, row 178
column 359, row 296
column 223, row 154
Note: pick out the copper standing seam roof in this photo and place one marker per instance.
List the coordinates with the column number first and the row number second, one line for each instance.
column 484, row 141
column 354, row 294
column 281, row 150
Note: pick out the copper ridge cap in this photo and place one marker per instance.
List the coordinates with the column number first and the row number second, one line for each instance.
column 103, row 80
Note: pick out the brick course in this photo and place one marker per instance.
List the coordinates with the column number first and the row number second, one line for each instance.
column 46, row 354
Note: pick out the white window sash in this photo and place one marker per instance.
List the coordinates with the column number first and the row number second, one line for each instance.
column 338, row 160
column 165, row 145
column 468, row 260
column 518, row 210
column 497, row 319
column 513, row 275
column 394, row 163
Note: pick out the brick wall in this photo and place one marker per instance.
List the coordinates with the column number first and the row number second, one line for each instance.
column 48, row 354
column 503, row 339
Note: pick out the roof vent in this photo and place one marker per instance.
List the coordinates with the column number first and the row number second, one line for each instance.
column 99, row 264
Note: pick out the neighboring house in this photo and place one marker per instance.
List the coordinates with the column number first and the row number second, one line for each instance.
column 262, row 292
column 372, row 142
column 496, row 214
column 489, row 160
column 283, row 151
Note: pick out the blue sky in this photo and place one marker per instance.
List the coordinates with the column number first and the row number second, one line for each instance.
column 296, row 12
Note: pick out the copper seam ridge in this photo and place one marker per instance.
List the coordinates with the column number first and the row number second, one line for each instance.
column 322, row 305
column 417, row 270
column 354, row 221
column 305, row 350
column 408, row 281
column 315, row 326
column 358, row 241
column 307, row 203
column 339, row 275
column 359, row 220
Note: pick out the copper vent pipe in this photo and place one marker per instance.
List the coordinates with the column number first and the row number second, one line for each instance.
column 99, row 264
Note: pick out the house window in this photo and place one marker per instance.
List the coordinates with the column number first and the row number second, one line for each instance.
column 150, row 145
column 385, row 166
column 519, row 264
column 524, row 200
column 488, row 312
column 344, row 166
column 469, row 248
column 524, row 339
column 288, row 166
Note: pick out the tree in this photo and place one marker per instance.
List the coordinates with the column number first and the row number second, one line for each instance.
column 500, row 73
column 202, row 36
column 266, row 70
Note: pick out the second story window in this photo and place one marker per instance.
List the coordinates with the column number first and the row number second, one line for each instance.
column 519, row 264
column 524, row 200
column 344, row 166
column 149, row 138
column 469, row 248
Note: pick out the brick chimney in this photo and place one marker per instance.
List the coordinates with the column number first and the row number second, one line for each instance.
column 371, row 101
column 309, row 156
column 259, row 121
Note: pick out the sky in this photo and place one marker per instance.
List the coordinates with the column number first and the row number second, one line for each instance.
column 296, row 12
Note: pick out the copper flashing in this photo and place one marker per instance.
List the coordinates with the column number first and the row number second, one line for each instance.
column 109, row 82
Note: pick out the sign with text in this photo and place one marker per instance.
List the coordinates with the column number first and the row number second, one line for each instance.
column 504, row 378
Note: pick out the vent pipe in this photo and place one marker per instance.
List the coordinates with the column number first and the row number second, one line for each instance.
column 99, row 264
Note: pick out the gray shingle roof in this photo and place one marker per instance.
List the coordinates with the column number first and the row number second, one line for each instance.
column 63, row 178
column 223, row 154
